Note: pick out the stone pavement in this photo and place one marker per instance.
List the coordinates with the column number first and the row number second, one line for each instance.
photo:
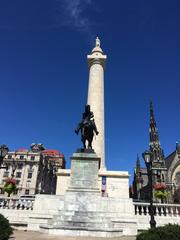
column 30, row 235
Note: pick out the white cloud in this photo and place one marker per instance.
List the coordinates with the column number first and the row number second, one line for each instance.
column 74, row 13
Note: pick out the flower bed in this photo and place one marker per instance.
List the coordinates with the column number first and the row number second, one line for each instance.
column 10, row 186
column 160, row 186
column 11, row 181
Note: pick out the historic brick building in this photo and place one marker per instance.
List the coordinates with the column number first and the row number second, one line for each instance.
column 34, row 169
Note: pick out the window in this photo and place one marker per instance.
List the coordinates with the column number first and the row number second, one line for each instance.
column 21, row 157
column 6, row 174
column 18, row 174
column 9, row 156
column 177, row 180
column 30, row 175
column 17, row 182
column 32, row 157
column 8, row 166
column 28, row 183
column 30, row 169
column 19, row 166
column 27, row 191
column 162, row 177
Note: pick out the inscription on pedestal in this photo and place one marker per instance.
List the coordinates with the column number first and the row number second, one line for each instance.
column 84, row 172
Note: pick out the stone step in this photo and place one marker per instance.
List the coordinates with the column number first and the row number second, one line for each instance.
column 91, row 213
column 89, row 217
column 82, row 218
column 82, row 228
column 81, row 225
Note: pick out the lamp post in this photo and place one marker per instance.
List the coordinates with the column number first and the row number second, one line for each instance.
column 147, row 155
column 3, row 151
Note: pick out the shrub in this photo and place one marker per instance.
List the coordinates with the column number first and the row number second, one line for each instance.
column 5, row 229
column 167, row 232
column 161, row 194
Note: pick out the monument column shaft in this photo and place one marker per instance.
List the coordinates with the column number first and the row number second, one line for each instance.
column 96, row 101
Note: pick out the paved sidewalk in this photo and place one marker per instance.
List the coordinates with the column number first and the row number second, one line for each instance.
column 29, row 235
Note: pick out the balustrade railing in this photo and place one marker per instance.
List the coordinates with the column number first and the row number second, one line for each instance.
column 160, row 209
column 16, row 203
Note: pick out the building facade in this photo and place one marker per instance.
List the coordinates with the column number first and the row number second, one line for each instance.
column 165, row 170
column 34, row 170
column 173, row 172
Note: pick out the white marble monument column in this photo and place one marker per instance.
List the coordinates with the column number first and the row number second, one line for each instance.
column 96, row 63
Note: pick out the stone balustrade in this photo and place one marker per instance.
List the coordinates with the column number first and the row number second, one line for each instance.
column 160, row 209
column 16, row 203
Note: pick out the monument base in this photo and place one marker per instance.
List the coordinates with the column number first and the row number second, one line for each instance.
column 98, row 217
column 84, row 212
column 84, row 171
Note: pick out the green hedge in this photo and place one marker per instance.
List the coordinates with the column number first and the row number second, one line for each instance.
column 167, row 232
column 5, row 229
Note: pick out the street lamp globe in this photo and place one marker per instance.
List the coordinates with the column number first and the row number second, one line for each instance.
column 147, row 157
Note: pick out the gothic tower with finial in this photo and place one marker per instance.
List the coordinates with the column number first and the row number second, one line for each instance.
column 96, row 63
column 158, row 161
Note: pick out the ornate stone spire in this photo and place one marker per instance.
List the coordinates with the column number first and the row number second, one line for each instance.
column 138, row 164
column 138, row 180
column 177, row 147
column 155, row 146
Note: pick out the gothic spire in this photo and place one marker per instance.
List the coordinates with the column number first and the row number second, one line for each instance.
column 138, row 165
column 177, row 147
column 155, row 146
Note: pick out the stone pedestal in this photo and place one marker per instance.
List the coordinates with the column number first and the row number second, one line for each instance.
column 84, row 171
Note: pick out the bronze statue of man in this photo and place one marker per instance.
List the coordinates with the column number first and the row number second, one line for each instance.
column 87, row 127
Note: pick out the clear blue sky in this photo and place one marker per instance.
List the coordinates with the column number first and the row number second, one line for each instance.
column 44, row 74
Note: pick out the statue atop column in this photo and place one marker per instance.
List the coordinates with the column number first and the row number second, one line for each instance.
column 87, row 127
column 98, row 42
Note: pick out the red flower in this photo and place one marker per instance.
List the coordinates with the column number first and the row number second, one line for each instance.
column 11, row 180
column 160, row 186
